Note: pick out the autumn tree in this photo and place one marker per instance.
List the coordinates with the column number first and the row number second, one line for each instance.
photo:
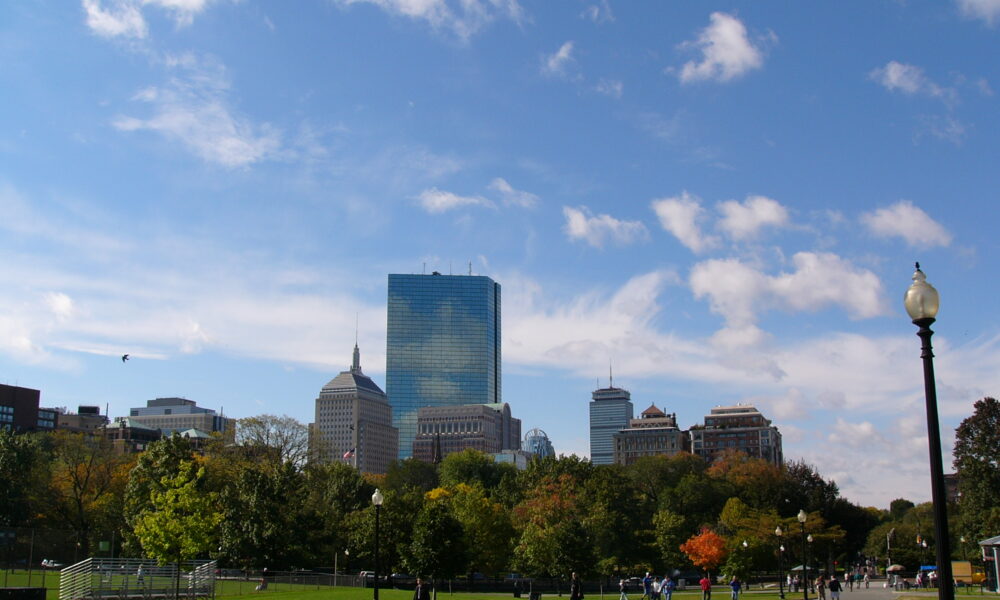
column 552, row 540
column 706, row 550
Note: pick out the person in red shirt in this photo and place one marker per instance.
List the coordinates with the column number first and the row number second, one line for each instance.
column 706, row 588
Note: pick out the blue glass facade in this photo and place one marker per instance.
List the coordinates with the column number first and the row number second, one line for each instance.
column 442, row 346
column 610, row 412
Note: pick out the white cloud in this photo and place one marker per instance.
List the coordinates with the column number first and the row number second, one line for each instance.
column 610, row 87
column 512, row 196
column 581, row 224
column 944, row 127
column 194, row 109
column 463, row 18
column 987, row 10
column 742, row 293
column 437, row 201
column 681, row 216
column 909, row 222
column 121, row 18
column 909, row 79
column 744, row 221
column 599, row 13
column 556, row 63
column 726, row 51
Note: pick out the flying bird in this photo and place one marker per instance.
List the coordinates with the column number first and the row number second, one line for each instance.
column 124, row 357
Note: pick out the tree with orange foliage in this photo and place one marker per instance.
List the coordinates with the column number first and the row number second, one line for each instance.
column 706, row 550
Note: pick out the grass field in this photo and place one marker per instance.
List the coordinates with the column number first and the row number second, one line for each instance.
column 244, row 590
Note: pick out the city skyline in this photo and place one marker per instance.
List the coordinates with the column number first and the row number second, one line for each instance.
column 722, row 200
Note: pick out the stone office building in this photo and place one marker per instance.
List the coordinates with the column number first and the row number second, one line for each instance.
column 654, row 433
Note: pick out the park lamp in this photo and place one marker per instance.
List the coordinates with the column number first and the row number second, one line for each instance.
column 802, row 516
column 745, row 544
column 921, row 299
column 810, row 538
column 777, row 531
column 377, row 498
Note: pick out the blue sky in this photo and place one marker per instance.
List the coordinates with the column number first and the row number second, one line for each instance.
column 723, row 200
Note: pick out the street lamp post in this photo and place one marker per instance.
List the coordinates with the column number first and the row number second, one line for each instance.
column 781, row 563
column 802, row 516
column 922, row 302
column 809, row 539
column 377, row 501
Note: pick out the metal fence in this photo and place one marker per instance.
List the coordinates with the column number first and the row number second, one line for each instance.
column 137, row 579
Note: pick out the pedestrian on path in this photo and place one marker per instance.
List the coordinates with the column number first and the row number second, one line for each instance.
column 706, row 588
column 834, row 588
column 735, row 585
column 621, row 590
column 667, row 588
column 575, row 591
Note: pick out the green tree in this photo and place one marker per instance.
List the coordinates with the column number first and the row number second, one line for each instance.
column 472, row 467
column 183, row 521
column 670, row 532
column 410, row 473
column 438, row 547
column 552, row 539
column 489, row 534
column 162, row 459
column 20, row 458
column 899, row 507
column 977, row 441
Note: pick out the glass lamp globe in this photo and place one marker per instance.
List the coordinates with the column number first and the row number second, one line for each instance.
column 921, row 299
column 377, row 498
column 777, row 531
column 802, row 516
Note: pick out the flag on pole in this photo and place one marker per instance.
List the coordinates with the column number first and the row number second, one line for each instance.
column 349, row 454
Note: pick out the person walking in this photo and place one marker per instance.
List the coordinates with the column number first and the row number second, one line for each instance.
column 575, row 591
column 655, row 588
column 621, row 590
column 706, row 587
column 647, row 587
column 422, row 591
column 834, row 588
column 821, row 587
column 867, row 580
column 667, row 588
column 139, row 577
column 735, row 585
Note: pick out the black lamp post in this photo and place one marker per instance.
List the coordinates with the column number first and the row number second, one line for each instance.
column 809, row 538
column 802, row 516
column 377, row 501
column 781, row 563
column 922, row 302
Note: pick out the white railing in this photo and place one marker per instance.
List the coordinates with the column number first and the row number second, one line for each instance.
column 135, row 578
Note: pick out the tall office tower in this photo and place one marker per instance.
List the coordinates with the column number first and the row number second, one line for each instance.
column 610, row 412
column 354, row 422
column 442, row 346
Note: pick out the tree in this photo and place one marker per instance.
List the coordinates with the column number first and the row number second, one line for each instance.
column 282, row 438
column 183, row 522
column 552, row 540
column 489, row 534
column 472, row 467
column 20, row 456
column 438, row 548
column 162, row 459
column 82, row 480
column 705, row 550
column 411, row 473
column 899, row 507
column 977, row 441
column 670, row 531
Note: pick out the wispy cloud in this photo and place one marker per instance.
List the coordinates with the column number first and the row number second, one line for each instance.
column 909, row 79
column 555, row 64
column 682, row 217
column 906, row 221
column 437, row 201
column 726, row 51
column 987, row 10
column 599, row 12
column 124, row 18
column 610, row 87
column 511, row 196
column 581, row 224
column 194, row 108
column 463, row 19
column 120, row 18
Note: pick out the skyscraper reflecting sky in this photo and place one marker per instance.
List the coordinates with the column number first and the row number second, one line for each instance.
column 442, row 346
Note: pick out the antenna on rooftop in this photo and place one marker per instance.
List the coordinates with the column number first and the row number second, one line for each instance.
column 470, row 267
column 611, row 376
column 449, row 268
column 424, row 269
column 355, row 328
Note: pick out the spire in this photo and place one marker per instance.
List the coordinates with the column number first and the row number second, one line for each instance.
column 356, row 366
column 611, row 376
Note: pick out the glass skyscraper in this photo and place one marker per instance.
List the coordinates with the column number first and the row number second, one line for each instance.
column 442, row 346
column 610, row 412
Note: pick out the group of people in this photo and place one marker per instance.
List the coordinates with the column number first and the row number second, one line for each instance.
column 821, row 583
column 653, row 588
